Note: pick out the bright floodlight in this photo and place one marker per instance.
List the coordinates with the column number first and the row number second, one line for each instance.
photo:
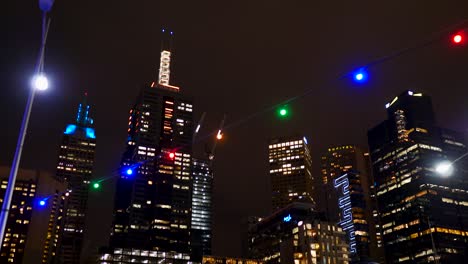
column 444, row 168
column 40, row 82
column 42, row 202
column 129, row 171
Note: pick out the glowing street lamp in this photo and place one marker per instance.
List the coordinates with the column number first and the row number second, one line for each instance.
column 40, row 82
column 444, row 168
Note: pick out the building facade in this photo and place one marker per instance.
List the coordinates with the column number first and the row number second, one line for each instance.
column 202, row 208
column 424, row 216
column 298, row 234
column 140, row 256
column 349, row 163
column 75, row 167
column 229, row 260
column 36, row 208
column 152, row 208
column 290, row 171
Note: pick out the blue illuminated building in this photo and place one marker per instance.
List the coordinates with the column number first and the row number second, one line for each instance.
column 75, row 167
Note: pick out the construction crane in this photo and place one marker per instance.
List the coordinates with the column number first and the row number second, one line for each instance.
column 210, row 153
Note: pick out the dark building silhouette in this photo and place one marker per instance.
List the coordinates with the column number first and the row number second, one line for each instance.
column 423, row 215
column 75, row 167
column 152, row 208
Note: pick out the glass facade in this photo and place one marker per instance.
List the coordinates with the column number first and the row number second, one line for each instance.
column 202, row 176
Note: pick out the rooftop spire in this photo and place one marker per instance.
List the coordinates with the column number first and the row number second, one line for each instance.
column 165, row 60
column 82, row 116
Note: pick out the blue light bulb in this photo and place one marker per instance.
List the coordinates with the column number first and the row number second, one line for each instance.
column 42, row 202
column 360, row 76
column 129, row 171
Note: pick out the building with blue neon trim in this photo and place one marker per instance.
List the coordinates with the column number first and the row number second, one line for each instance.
column 75, row 167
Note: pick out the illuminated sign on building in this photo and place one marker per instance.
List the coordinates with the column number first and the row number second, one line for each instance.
column 344, row 203
column 164, row 67
column 287, row 218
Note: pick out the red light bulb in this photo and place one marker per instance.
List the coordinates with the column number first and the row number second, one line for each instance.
column 171, row 155
column 457, row 39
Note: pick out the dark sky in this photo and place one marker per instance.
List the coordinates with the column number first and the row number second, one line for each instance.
column 233, row 57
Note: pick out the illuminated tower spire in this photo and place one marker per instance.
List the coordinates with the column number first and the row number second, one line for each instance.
column 82, row 116
column 165, row 61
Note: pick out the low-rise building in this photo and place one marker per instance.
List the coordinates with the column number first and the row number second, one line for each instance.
column 229, row 260
column 298, row 234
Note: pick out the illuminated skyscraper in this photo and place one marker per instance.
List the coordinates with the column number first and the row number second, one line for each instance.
column 290, row 171
column 36, row 209
column 423, row 214
column 351, row 161
column 202, row 176
column 75, row 167
column 152, row 208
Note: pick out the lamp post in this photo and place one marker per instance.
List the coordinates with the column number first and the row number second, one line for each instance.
column 39, row 82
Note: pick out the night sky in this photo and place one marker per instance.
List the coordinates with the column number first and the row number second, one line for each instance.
column 233, row 57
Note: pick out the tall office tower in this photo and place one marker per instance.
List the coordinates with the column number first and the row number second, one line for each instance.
column 290, row 171
column 424, row 217
column 37, row 200
column 152, row 207
column 202, row 177
column 75, row 167
column 351, row 162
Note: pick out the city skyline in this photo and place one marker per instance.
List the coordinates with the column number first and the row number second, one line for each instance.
column 322, row 130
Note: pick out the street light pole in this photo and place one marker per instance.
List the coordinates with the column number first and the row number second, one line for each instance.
column 39, row 82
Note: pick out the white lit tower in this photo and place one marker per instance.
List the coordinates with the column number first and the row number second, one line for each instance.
column 152, row 207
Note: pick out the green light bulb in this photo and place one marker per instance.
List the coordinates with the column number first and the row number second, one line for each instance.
column 96, row 185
